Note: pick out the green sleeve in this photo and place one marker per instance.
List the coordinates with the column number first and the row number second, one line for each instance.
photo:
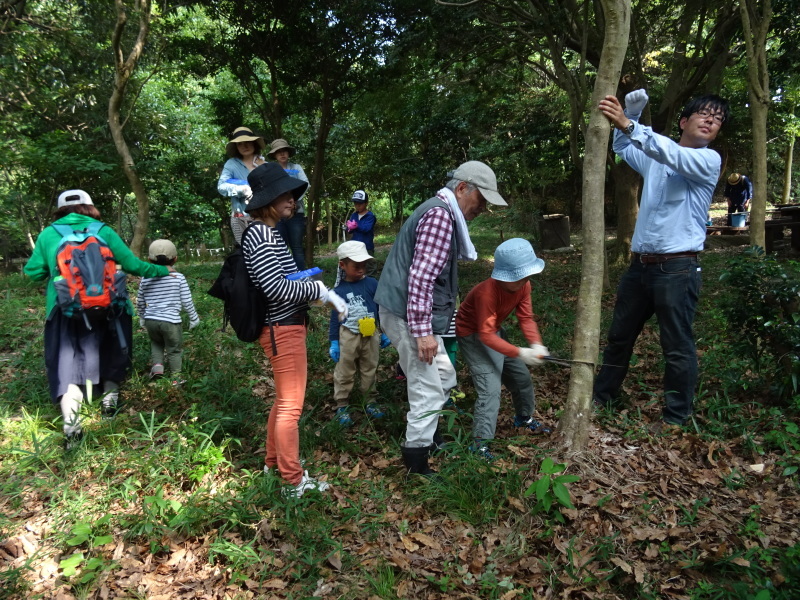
column 126, row 259
column 38, row 265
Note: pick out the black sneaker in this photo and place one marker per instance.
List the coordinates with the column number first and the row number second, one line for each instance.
column 531, row 424
column 111, row 411
column 72, row 440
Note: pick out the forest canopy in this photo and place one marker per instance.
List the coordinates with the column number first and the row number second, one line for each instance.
column 383, row 95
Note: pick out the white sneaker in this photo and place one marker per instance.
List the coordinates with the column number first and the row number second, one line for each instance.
column 306, row 483
column 157, row 371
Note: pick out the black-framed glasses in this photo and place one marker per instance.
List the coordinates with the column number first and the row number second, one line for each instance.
column 719, row 118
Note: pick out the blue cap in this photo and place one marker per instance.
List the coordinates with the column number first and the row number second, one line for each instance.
column 515, row 259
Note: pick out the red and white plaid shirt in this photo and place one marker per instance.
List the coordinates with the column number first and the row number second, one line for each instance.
column 431, row 253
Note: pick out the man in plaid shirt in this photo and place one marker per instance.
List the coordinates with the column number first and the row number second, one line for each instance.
column 417, row 297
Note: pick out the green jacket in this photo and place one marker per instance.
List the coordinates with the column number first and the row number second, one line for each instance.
column 42, row 263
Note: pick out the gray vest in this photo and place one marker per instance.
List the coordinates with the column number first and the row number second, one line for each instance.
column 392, row 291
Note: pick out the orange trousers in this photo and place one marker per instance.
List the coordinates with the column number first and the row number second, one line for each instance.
column 290, row 370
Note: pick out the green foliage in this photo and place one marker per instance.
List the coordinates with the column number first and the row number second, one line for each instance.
column 763, row 308
column 550, row 490
column 91, row 564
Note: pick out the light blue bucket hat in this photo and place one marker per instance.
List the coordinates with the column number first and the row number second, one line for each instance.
column 515, row 259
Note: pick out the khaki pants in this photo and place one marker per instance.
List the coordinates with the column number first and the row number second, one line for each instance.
column 166, row 344
column 357, row 354
column 428, row 385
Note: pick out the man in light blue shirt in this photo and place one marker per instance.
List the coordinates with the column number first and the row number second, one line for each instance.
column 664, row 275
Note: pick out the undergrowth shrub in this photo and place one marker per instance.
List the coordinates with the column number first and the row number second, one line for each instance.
column 762, row 305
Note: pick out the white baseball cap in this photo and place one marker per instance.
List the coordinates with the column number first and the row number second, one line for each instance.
column 355, row 251
column 73, row 198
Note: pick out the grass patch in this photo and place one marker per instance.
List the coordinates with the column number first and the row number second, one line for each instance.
column 176, row 479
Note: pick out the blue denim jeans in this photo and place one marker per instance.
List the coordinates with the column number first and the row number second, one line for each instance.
column 293, row 231
column 670, row 291
column 490, row 369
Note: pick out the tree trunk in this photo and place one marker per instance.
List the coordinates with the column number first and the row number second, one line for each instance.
column 786, row 196
column 329, row 213
column 756, row 15
column 314, row 194
column 626, row 197
column 123, row 69
column 573, row 427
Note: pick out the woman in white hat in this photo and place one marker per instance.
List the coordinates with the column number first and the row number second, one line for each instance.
column 292, row 229
column 244, row 150
column 77, row 351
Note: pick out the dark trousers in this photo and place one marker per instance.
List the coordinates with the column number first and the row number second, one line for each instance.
column 73, row 353
column 670, row 291
column 293, row 232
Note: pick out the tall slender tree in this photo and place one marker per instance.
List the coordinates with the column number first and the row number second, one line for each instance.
column 756, row 15
column 574, row 424
column 123, row 70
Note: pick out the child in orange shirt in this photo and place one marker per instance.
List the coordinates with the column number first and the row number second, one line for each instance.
column 491, row 358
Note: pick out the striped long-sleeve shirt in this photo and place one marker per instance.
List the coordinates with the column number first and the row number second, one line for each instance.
column 268, row 262
column 161, row 299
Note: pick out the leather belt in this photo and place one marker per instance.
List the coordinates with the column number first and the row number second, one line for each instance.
column 298, row 318
column 654, row 259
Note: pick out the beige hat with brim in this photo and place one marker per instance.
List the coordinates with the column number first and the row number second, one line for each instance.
column 163, row 248
column 481, row 176
column 355, row 251
column 280, row 144
column 734, row 178
column 243, row 134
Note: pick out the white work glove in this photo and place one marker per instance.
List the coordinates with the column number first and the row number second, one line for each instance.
column 193, row 324
column 244, row 190
column 533, row 356
column 141, row 322
column 333, row 299
column 635, row 102
column 336, row 301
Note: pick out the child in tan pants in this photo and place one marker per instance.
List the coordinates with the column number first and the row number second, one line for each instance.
column 356, row 342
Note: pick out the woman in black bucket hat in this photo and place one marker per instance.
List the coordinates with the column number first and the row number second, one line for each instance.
column 283, row 337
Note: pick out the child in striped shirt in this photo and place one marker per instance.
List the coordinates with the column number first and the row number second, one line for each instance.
column 159, row 303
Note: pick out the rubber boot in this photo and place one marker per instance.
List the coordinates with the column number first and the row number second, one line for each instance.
column 416, row 460
column 438, row 444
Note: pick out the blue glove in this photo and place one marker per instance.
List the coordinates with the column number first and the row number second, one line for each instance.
column 334, row 350
column 385, row 341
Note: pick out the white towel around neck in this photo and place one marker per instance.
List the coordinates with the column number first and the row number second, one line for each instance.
column 466, row 250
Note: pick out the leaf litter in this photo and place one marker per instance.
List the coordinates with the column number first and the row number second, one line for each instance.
column 657, row 514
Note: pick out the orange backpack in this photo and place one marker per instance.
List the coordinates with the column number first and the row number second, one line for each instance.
column 88, row 285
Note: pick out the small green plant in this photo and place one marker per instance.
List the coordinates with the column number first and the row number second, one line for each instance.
column 161, row 509
column 551, row 488
column 690, row 514
column 787, row 439
column 85, row 533
column 384, row 581
column 240, row 557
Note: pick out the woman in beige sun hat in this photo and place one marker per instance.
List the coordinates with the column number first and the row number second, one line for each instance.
column 293, row 229
column 244, row 150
